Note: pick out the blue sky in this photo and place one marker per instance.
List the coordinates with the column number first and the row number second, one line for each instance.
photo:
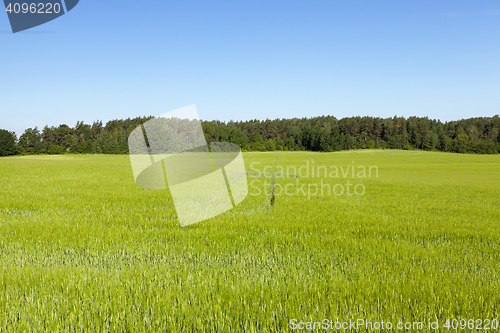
column 243, row 60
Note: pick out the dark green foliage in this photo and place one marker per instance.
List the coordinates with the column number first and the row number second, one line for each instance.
column 7, row 143
column 461, row 144
column 326, row 134
column 31, row 141
column 256, row 137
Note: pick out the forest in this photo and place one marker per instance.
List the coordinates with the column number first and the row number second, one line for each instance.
column 323, row 134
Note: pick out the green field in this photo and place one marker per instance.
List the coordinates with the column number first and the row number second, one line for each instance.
column 82, row 248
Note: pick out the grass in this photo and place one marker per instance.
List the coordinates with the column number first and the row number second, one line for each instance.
column 82, row 248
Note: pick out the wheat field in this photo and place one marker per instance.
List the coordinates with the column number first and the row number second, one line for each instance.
column 82, row 248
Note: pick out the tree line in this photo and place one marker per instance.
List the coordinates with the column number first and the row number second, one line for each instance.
column 325, row 134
